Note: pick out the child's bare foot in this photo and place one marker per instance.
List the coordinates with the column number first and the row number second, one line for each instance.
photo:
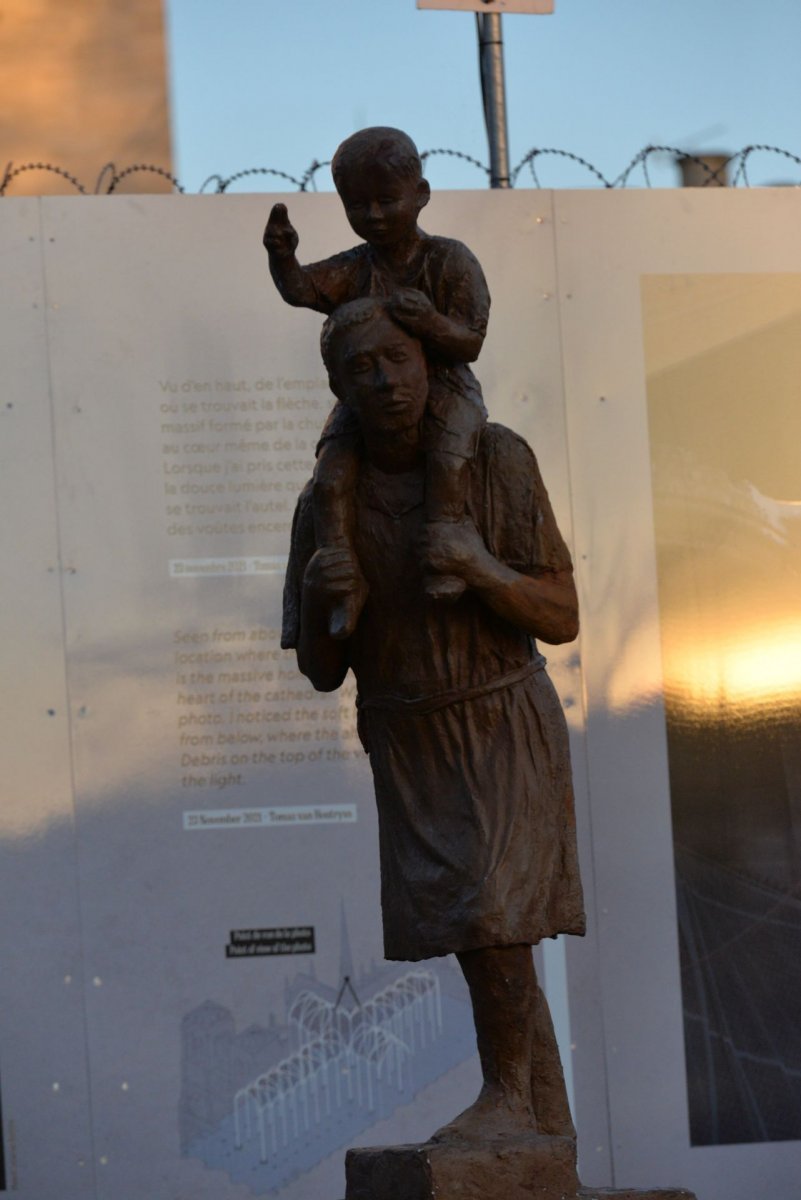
column 444, row 589
column 490, row 1118
column 345, row 612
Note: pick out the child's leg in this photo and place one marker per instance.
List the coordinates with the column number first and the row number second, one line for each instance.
column 335, row 475
column 446, row 492
column 333, row 491
column 454, row 420
column 447, row 478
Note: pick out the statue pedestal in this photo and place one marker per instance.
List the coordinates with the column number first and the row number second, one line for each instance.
column 586, row 1193
column 534, row 1168
column 520, row 1169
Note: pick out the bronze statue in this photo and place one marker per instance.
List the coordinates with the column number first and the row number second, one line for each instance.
column 465, row 733
column 466, row 736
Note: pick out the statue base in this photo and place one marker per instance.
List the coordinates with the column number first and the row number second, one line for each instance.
column 532, row 1168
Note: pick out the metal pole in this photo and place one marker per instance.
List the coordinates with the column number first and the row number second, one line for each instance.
column 493, row 87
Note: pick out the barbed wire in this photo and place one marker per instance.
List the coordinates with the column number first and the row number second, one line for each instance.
column 308, row 178
column 749, row 150
column 119, row 176
column 530, row 158
column 110, row 178
column 715, row 177
column 426, row 154
column 223, row 184
column 11, row 172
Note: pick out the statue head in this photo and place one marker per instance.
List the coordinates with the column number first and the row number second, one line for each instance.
column 375, row 367
column 379, row 177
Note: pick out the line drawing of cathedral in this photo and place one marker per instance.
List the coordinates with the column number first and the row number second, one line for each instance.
column 269, row 1103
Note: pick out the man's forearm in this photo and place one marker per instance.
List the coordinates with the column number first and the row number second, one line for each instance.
column 321, row 659
column 545, row 606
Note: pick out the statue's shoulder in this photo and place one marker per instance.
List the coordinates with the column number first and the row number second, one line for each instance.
column 512, row 500
column 354, row 254
column 457, row 282
column 504, row 449
column 449, row 252
column 343, row 261
column 302, row 534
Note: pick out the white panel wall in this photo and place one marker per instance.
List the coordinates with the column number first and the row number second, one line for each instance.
column 122, row 314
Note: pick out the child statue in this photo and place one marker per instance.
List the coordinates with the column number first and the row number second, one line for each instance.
column 435, row 289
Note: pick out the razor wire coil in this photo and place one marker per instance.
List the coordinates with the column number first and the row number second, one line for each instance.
column 110, row 178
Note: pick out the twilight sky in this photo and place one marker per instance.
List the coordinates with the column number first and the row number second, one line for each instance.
column 278, row 83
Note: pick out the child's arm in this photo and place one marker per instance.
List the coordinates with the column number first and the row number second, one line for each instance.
column 451, row 315
column 447, row 335
column 292, row 280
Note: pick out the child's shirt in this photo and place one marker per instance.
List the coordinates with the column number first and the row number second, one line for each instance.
column 444, row 270
column 451, row 276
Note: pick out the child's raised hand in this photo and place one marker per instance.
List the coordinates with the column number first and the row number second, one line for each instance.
column 412, row 308
column 280, row 236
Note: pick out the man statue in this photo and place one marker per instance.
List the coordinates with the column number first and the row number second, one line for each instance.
column 466, row 736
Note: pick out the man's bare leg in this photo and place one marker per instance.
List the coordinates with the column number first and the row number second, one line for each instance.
column 548, row 1091
column 503, row 991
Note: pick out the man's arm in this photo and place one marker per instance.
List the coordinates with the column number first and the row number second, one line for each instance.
column 453, row 319
column 321, row 659
column 544, row 605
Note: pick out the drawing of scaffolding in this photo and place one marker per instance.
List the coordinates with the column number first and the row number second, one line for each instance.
column 343, row 1055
